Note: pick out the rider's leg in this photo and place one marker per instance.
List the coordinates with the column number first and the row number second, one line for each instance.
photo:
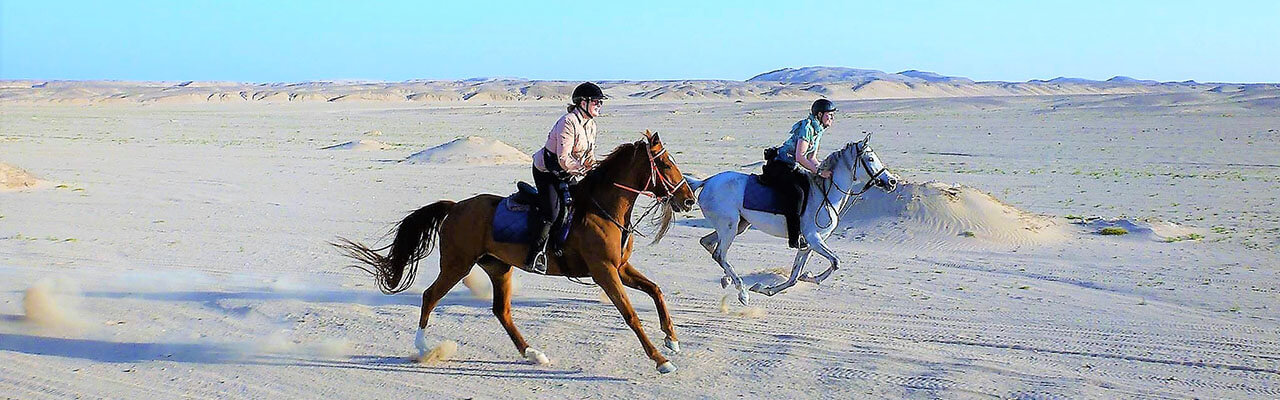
column 799, row 183
column 547, row 209
column 781, row 176
column 802, row 186
column 563, row 202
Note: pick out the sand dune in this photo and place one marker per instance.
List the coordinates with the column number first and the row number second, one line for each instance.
column 473, row 150
column 358, row 145
column 1146, row 229
column 934, row 210
column 14, row 178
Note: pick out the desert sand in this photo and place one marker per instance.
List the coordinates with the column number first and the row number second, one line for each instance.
column 183, row 249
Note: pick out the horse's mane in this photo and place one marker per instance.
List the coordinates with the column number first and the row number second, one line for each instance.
column 831, row 158
column 597, row 174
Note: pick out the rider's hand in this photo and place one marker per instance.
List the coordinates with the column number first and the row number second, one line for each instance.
column 826, row 173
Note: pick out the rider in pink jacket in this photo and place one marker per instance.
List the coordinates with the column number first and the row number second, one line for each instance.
column 568, row 153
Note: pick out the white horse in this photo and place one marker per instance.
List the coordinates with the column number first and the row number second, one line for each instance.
column 721, row 203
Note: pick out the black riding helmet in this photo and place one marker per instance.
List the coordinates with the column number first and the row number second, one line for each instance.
column 822, row 105
column 587, row 91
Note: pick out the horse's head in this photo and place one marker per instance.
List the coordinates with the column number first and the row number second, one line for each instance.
column 858, row 159
column 667, row 183
column 881, row 177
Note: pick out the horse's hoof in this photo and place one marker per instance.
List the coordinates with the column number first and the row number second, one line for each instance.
column 724, row 282
column 743, row 297
column 808, row 278
column 420, row 343
column 667, row 367
column 673, row 345
column 536, row 357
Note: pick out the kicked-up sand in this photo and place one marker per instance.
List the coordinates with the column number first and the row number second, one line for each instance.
column 195, row 238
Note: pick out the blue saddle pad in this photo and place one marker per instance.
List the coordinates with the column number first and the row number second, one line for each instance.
column 512, row 223
column 760, row 197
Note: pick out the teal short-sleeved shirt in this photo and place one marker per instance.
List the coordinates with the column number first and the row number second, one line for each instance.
column 807, row 129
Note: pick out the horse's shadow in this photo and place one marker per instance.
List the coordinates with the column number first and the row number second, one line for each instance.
column 216, row 353
column 215, row 299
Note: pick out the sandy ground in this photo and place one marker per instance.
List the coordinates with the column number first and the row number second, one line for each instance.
column 180, row 251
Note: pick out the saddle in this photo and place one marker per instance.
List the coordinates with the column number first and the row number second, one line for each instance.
column 771, row 193
column 516, row 220
column 525, row 197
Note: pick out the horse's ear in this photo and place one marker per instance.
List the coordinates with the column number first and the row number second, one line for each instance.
column 654, row 138
column 648, row 135
column 866, row 139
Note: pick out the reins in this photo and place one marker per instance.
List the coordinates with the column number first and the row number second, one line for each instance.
column 845, row 203
column 655, row 179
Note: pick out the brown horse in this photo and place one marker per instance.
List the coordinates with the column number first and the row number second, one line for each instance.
column 598, row 245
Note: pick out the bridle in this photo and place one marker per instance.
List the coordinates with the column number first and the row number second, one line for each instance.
column 861, row 148
column 656, row 179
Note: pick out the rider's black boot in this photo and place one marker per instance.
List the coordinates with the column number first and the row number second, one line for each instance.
column 793, row 232
column 537, row 258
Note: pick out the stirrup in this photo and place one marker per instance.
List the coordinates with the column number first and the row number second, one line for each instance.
column 539, row 264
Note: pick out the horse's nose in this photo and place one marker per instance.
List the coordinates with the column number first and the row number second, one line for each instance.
column 688, row 203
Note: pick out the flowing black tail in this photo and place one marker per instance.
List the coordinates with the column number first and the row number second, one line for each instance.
column 415, row 239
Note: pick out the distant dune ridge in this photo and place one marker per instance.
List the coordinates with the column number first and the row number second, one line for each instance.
column 838, row 83
column 472, row 150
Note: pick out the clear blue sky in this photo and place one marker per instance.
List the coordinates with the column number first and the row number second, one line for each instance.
column 275, row 41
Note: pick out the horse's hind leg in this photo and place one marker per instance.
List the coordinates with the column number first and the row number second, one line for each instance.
column 821, row 247
column 452, row 269
column 726, row 234
column 802, row 257
column 635, row 280
column 500, row 274
column 712, row 240
column 709, row 242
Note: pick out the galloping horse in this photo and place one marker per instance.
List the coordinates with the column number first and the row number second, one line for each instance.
column 598, row 245
column 722, row 204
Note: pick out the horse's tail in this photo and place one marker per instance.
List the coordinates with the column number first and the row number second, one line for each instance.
column 694, row 183
column 415, row 239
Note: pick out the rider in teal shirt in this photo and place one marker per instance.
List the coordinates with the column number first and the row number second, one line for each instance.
column 809, row 130
column 789, row 171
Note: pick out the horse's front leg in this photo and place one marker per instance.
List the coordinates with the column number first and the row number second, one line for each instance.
column 632, row 278
column 608, row 279
column 802, row 257
column 820, row 246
